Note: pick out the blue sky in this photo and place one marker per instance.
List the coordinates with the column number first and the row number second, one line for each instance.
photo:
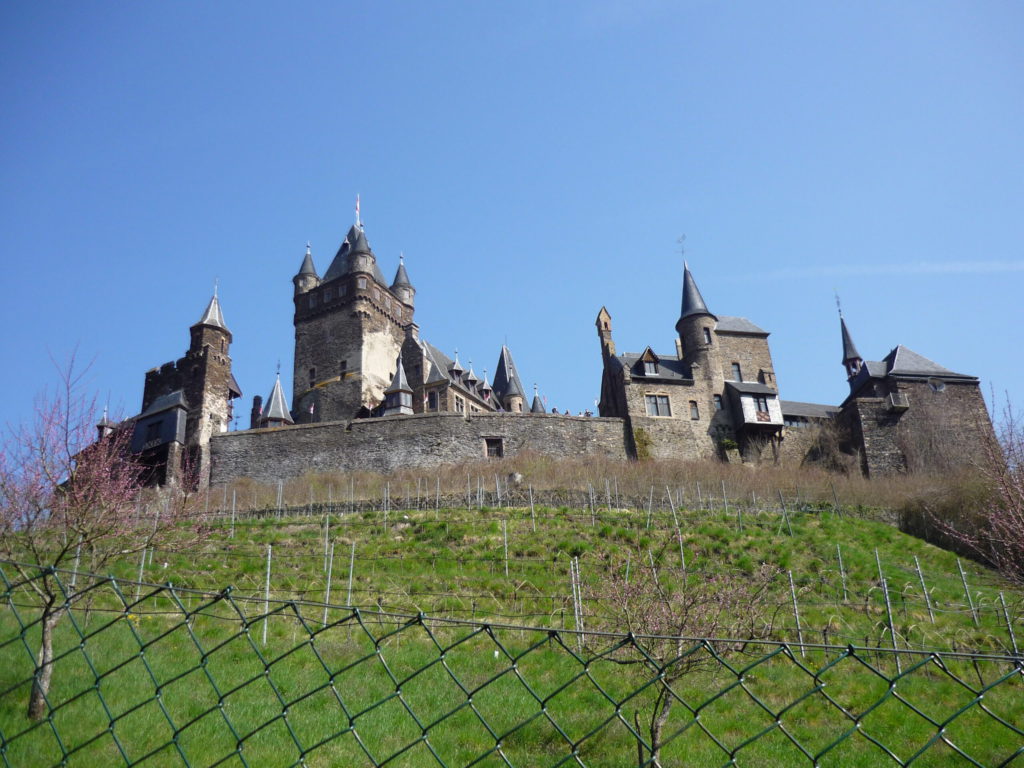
column 534, row 161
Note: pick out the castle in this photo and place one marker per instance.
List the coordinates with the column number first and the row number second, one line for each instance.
column 370, row 394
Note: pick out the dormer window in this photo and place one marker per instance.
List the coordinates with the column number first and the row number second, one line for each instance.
column 737, row 374
column 650, row 368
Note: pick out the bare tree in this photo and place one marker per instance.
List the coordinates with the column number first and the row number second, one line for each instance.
column 674, row 612
column 64, row 493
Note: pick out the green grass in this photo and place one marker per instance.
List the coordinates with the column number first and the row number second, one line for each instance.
column 357, row 692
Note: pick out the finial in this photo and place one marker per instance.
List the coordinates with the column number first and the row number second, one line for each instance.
column 534, row 390
column 309, row 248
column 216, row 281
column 838, row 305
column 279, row 368
column 359, row 222
column 682, row 245
column 401, row 257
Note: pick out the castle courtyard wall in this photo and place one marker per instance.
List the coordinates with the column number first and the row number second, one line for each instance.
column 420, row 441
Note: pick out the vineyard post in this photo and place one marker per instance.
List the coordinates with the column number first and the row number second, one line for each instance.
column 785, row 513
column 924, row 590
column 796, row 615
column 497, row 490
column 327, row 591
column 234, row 495
column 78, row 558
column 700, row 498
column 1009, row 625
column 650, row 507
column 725, row 500
column 533, row 518
column 142, row 565
column 842, row 572
column 608, row 493
column 967, row 591
column 504, row 532
column 266, row 594
column 351, row 568
column 892, row 628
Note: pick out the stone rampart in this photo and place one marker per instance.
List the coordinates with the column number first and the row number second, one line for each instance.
column 397, row 442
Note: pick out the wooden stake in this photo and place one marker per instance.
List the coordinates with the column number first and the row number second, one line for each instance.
column 924, row 590
column 327, row 595
column 970, row 601
column 1009, row 625
column 533, row 517
column 351, row 569
column 266, row 595
column 796, row 615
column 842, row 572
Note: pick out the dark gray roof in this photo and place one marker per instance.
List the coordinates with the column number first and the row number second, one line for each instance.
column 506, row 377
column 849, row 348
column 439, row 364
column 693, row 302
column 277, row 408
column 751, row 387
column 807, row 410
column 213, row 316
column 355, row 242
column 670, row 368
column 398, row 382
column 233, row 389
column 307, row 267
column 905, row 362
column 875, row 369
column 538, row 405
column 175, row 399
column 401, row 276
column 727, row 324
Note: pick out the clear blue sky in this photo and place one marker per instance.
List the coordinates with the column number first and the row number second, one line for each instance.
column 533, row 160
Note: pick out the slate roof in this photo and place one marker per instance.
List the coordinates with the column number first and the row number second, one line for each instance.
column 398, row 382
column 538, row 405
column 439, row 363
column 175, row 399
column 693, row 302
column 233, row 389
column 670, row 368
column 213, row 316
column 728, row 324
column 506, row 377
column 905, row 362
column 807, row 410
column 307, row 267
column 355, row 242
column 401, row 276
column 751, row 388
column 277, row 408
column 849, row 348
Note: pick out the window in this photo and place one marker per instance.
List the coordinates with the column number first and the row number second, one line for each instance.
column 694, row 411
column 495, row 447
column 361, row 282
column 718, row 402
column 650, row 368
column 657, row 405
column 313, row 299
column 707, row 335
column 312, row 377
column 342, row 368
column 152, row 431
column 737, row 374
column 328, row 294
column 460, row 404
column 432, row 401
column 937, row 385
column 342, row 290
column 761, row 403
column 376, row 294
column 796, row 421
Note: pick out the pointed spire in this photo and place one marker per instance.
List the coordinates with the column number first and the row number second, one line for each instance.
column 850, row 352
column 277, row 408
column 399, row 383
column 538, row 405
column 456, row 369
column 213, row 315
column 693, row 302
column 506, row 377
column 307, row 267
column 401, row 276
column 471, row 378
column 484, row 385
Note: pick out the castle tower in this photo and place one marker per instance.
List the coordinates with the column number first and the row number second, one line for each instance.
column 276, row 413
column 851, row 357
column 349, row 328
column 307, row 278
column 398, row 396
column 604, row 333
column 538, row 404
column 507, row 386
column 696, row 326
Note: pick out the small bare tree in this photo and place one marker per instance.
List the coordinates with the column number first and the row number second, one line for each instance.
column 673, row 612
column 64, row 493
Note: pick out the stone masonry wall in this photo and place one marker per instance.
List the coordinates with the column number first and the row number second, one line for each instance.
column 751, row 352
column 397, row 442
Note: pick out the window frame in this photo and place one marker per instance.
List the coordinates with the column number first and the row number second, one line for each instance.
column 658, row 403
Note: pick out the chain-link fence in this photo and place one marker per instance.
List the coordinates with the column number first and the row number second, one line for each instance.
column 157, row 675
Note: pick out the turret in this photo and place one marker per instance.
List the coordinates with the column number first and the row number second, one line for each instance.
column 696, row 326
column 401, row 286
column 307, row 278
column 276, row 413
column 851, row 357
column 105, row 426
column 210, row 331
column 604, row 333
column 398, row 397
column 507, row 386
column 538, row 404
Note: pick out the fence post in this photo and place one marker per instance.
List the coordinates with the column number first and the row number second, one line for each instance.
column 234, row 495
column 924, row 589
column 78, row 557
column 700, row 498
column 504, row 531
column 967, row 591
column 725, row 499
column 533, row 517
column 842, row 573
column 266, row 594
column 892, row 628
column 785, row 513
column 142, row 564
column 650, row 507
column 796, row 615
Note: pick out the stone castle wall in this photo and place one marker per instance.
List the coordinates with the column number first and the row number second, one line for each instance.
column 398, row 442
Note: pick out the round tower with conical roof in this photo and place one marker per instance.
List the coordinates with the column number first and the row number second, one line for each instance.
column 696, row 329
column 306, row 279
column 401, row 286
